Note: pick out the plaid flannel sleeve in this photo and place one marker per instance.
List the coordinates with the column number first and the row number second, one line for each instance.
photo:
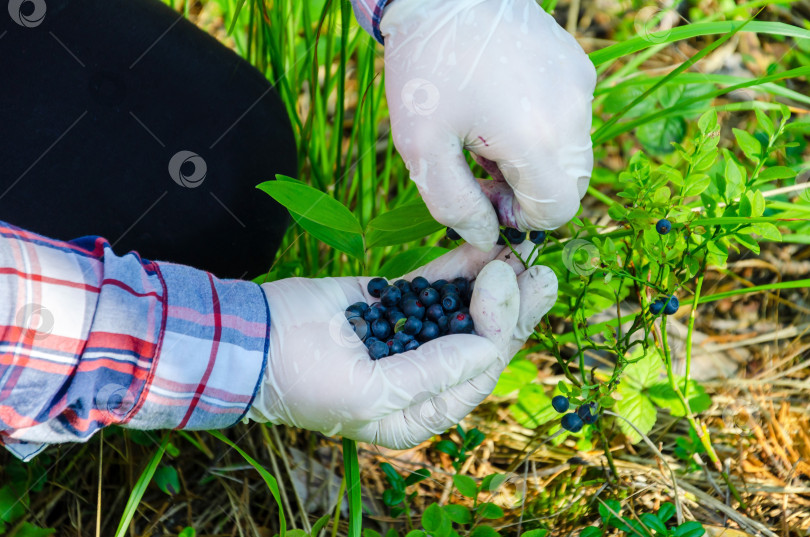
column 368, row 14
column 89, row 339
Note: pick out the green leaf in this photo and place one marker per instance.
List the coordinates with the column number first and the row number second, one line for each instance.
column 188, row 531
column 661, row 195
column 768, row 231
column 664, row 396
column 696, row 184
column 167, row 480
column 533, row 407
column 144, row 479
column 435, row 520
column 322, row 522
column 666, row 511
column 646, row 370
column 350, row 243
column 392, row 497
column 765, row 122
column 416, row 476
column 458, row 514
column 29, row 530
column 605, row 509
column 652, row 522
column 734, row 179
column 393, row 476
column 518, row 373
column 406, row 223
column 351, row 468
column 489, row 510
column 312, row 204
column 447, row 446
column 465, row 485
column 591, row 531
column 689, row 529
column 638, row 409
column 297, row 533
column 536, row 533
column 708, row 121
column 776, row 172
column 658, row 136
column 749, row 145
column 12, row 503
column 416, row 533
column 484, row 531
column 367, row 532
column 409, row 260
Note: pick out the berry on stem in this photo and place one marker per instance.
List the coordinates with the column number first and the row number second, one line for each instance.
column 672, row 305
column 537, row 237
column 663, row 226
column 657, row 306
column 571, row 422
column 560, row 403
column 587, row 413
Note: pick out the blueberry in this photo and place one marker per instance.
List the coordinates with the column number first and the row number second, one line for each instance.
column 403, row 337
column 444, row 324
column 537, row 237
column 360, row 327
column 412, row 307
column 376, row 311
column 378, row 349
column 429, row 296
column 514, row 236
column 411, row 345
column 419, row 284
column 451, row 303
column 560, row 403
column 461, row 323
column 663, row 226
column 657, row 306
column 376, row 286
column 434, row 312
column 369, row 341
column 453, row 235
column 572, row 422
column 672, row 306
column 430, row 330
column 381, row 329
column 587, row 413
column 461, row 284
column 394, row 315
column 395, row 347
column 358, row 307
column 404, row 286
column 412, row 326
column 438, row 284
column 391, row 296
column 450, row 289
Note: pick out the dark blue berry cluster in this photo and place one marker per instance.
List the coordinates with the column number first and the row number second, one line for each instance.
column 514, row 236
column 411, row 313
column 670, row 305
column 574, row 421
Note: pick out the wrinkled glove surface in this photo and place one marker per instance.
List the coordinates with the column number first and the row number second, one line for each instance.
column 502, row 79
column 319, row 375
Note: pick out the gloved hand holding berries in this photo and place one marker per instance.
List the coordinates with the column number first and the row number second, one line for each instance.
column 319, row 375
column 502, row 79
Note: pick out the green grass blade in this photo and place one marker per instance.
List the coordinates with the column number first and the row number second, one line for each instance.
column 352, row 469
column 271, row 482
column 693, row 30
column 798, row 284
column 139, row 489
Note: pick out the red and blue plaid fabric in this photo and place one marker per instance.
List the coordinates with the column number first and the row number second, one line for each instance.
column 89, row 339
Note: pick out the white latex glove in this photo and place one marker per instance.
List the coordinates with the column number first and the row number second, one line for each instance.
column 319, row 375
column 502, row 79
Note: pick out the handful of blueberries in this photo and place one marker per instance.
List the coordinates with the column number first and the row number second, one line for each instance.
column 411, row 313
column 573, row 421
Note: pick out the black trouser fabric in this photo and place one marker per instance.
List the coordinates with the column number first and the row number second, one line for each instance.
column 122, row 119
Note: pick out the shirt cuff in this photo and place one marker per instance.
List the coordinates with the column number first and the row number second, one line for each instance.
column 369, row 14
column 211, row 355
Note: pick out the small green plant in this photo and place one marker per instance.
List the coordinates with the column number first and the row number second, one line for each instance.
column 459, row 451
column 657, row 524
column 397, row 497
